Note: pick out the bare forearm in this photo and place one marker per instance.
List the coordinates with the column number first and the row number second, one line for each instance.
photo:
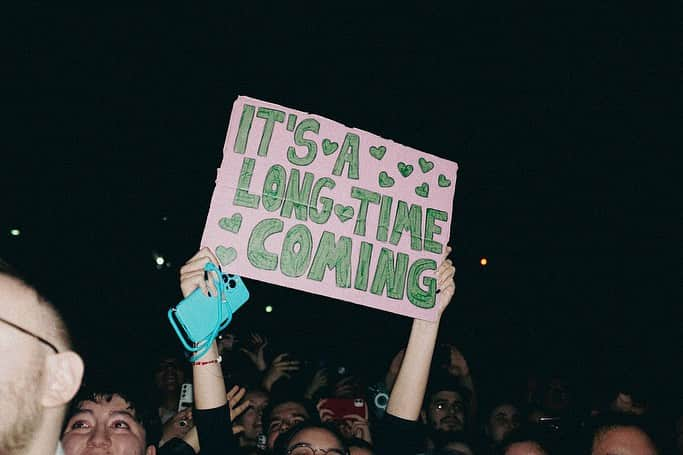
column 406, row 396
column 209, row 388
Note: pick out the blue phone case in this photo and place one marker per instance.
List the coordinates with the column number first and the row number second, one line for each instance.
column 236, row 293
column 197, row 313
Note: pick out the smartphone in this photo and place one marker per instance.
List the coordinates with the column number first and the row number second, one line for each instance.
column 186, row 398
column 341, row 407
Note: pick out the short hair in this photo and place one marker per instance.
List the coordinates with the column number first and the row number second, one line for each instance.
column 602, row 424
column 282, row 441
column 444, row 382
column 145, row 414
column 314, row 417
column 60, row 330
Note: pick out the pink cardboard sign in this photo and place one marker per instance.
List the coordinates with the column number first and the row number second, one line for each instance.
column 308, row 203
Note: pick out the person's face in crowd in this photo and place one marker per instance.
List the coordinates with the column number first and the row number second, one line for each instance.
column 446, row 411
column 169, row 375
column 283, row 417
column 623, row 441
column 21, row 381
column 251, row 419
column 312, row 441
column 525, row 448
column 107, row 427
column 502, row 420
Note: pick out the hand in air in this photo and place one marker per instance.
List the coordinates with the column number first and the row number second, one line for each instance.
column 255, row 351
column 281, row 367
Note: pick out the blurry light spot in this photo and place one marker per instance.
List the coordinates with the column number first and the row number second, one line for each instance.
column 269, row 309
column 483, row 262
column 15, row 232
column 160, row 260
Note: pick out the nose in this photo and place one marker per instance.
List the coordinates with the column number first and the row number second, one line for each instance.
column 99, row 437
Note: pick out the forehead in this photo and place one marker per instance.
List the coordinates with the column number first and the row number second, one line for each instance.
column 257, row 397
column 317, row 437
column 524, row 448
column 287, row 409
column 447, row 395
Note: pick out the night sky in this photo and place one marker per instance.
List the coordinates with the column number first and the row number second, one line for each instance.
column 114, row 122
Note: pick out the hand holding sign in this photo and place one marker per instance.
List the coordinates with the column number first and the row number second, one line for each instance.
column 305, row 202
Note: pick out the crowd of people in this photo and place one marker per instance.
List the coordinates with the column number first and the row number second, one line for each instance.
column 247, row 399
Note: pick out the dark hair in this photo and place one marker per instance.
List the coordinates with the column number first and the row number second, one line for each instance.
column 145, row 414
column 311, row 410
column 444, row 382
column 282, row 441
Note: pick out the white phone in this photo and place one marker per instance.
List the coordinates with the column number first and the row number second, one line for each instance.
column 186, row 398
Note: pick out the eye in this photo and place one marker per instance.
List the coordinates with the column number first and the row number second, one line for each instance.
column 121, row 425
column 79, row 424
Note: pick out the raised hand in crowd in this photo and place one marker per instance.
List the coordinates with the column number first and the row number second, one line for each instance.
column 177, row 426
column 326, row 414
column 281, row 367
column 411, row 382
column 237, row 406
column 355, row 426
column 399, row 432
column 212, row 408
column 255, row 351
column 318, row 381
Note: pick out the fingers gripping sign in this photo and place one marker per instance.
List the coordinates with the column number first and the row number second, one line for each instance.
column 445, row 282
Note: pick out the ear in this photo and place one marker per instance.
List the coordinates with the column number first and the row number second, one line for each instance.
column 63, row 374
column 151, row 450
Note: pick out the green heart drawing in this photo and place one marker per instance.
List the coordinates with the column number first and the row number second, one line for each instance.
column 378, row 152
column 385, row 181
column 422, row 190
column 232, row 224
column 405, row 169
column 226, row 255
column 425, row 165
column 443, row 181
column 329, row 147
column 344, row 212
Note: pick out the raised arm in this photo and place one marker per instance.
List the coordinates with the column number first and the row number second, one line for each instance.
column 212, row 415
column 409, row 389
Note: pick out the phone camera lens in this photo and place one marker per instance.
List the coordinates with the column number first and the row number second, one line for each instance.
column 232, row 283
column 225, row 278
column 230, row 275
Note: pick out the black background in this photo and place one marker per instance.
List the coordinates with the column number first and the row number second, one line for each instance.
column 557, row 115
